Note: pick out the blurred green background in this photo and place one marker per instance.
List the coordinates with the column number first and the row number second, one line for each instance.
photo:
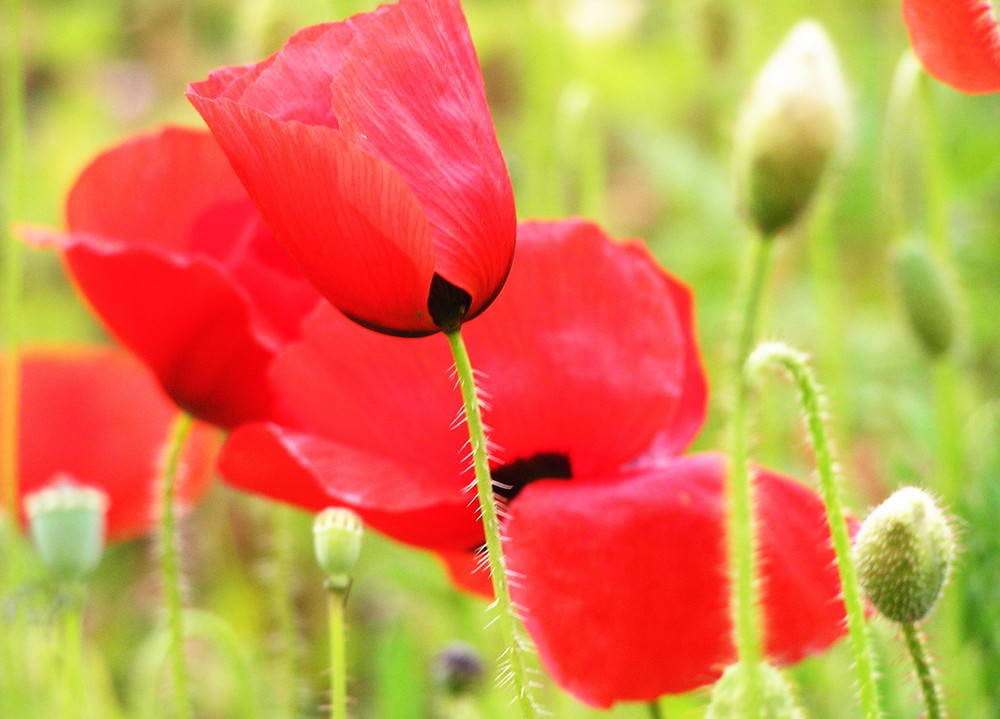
column 623, row 111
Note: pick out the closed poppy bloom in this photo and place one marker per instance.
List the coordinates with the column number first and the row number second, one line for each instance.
column 167, row 248
column 957, row 41
column 95, row 416
column 369, row 149
column 593, row 386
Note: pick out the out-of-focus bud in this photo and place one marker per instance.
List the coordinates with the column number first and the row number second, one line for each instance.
column 459, row 669
column 730, row 698
column 337, row 538
column 903, row 553
column 67, row 525
column 791, row 126
column 926, row 299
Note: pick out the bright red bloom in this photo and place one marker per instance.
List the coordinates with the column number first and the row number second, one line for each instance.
column 97, row 416
column 170, row 252
column 957, row 41
column 593, row 386
column 368, row 147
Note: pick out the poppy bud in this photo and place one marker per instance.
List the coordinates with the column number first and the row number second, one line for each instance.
column 458, row 669
column 67, row 524
column 730, row 700
column 926, row 299
column 790, row 127
column 903, row 552
column 337, row 536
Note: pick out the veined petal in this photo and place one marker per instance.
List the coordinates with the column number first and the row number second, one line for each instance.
column 401, row 501
column 633, row 572
column 96, row 415
column 409, row 89
column 957, row 41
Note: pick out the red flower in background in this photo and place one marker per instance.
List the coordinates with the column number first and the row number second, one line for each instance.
column 97, row 416
column 368, row 147
column 171, row 254
column 957, row 41
column 616, row 550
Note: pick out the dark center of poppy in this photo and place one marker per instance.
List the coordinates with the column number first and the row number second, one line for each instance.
column 510, row 479
column 447, row 303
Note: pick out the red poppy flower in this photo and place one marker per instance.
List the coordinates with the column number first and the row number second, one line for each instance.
column 368, row 147
column 97, row 416
column 593, row 384
column 170, row 252
column 957, row 41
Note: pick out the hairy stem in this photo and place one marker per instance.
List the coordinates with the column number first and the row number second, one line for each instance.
column 925, row 672
column 338, row 656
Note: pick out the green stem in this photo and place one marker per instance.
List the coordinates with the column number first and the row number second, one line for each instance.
column 739, row 495
column 11, row 192
column 72, row 654
column 171, row 564
column 654, row 710
column 282, row 586
column 516, row 652
column 338, row 656
column 813, row 404
column 925, row 673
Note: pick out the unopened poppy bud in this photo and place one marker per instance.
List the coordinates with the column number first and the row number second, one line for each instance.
column 337, row 537
column 903, row 552
column 730, row 698
column 790, row 127
column 67, row 525
column 458, row 668
column 926, row 299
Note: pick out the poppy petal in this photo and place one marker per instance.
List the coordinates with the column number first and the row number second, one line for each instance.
column 633, row 571
column 97, row 415
column 401, row 501
column 349, row 221
column 436, row 132
column 957, row 41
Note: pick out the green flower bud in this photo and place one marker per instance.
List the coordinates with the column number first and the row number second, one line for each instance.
column 790, row 127
column 903, row 553
column 925, row 299
column 337, row 539
column 67, row 525
column 730, row 700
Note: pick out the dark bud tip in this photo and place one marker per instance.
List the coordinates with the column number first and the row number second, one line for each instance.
column 447, row 304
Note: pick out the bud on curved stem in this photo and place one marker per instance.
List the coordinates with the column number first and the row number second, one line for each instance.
column 730, row 695
column 790, row 127
column 926, row 299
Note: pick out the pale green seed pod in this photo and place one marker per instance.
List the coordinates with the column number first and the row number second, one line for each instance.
column 730, row 700
column 791, row 126
column 67, row 525
column 926, row 299
column 337, row 539
column 903, row 552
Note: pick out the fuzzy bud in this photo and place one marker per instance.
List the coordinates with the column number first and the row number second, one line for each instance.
column 67, row 525
column 730, row 700
column 790, row 127
column 903, row 552
column 337, row 539
column 926, row 299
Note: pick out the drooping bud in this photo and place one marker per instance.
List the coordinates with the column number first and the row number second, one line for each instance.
column 903, row 553
column 67, row 525
column 791, row 126
column 459, row 669
column 730, row 698
column 926, row 299
column 337, row 539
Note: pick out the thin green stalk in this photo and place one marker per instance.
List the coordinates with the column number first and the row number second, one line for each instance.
column 11, row 192
column 281, row 586
column 813, row 403
column 338, row 655
column 654, row 710
column 739, row 494
column 925, row 673
column 171, row 563
column 72, row 655
column 516, row 652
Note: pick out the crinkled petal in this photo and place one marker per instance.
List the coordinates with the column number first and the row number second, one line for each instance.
column 623, row 586
column 97, row 415
column 957, row 41
column 436, row 131
column 401, row 501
